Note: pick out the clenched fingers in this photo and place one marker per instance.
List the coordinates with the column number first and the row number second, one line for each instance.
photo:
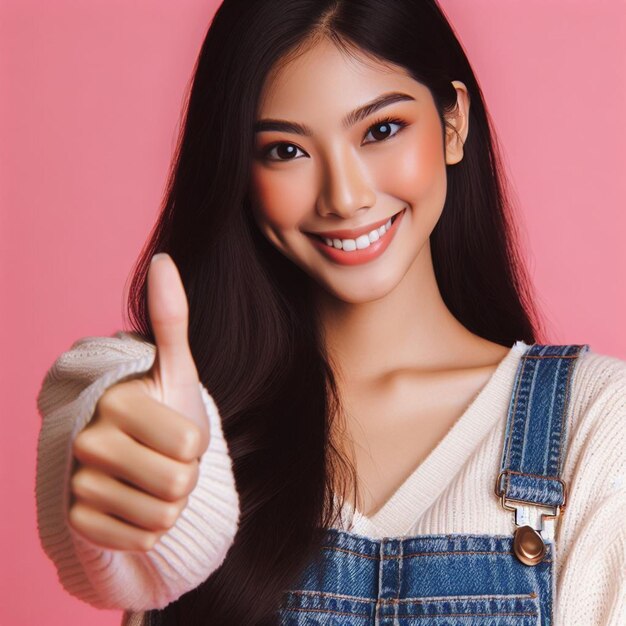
column 152, row 423
column 104, row 447
column 108, row 495
column 109, row 532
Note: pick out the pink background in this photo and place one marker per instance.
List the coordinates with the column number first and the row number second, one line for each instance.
column 90, row 97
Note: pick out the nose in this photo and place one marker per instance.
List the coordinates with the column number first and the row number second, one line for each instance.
column 345, row 187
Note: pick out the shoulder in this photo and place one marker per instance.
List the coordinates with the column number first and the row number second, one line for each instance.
column 596, row 428
column 594, row 470
column 598, row 385
column 601, row 369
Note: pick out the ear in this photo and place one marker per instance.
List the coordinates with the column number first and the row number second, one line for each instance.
column 458, row 124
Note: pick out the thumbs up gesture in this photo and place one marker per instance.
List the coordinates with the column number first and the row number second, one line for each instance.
column 137, row 459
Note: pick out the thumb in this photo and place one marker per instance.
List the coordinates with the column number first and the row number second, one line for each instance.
column 174, row 368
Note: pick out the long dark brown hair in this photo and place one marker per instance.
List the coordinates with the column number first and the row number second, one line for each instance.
column 252, row 326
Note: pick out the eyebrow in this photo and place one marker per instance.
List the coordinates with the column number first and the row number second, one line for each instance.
column 349, row 120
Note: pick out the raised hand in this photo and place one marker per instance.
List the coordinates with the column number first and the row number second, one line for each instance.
column 138, row 458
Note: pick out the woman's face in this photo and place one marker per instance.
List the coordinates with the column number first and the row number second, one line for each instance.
column 317, row 168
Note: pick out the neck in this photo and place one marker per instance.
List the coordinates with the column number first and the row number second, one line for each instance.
column 410, row 327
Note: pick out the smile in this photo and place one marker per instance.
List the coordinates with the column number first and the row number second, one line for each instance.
column 362, row 249
column 363, row 241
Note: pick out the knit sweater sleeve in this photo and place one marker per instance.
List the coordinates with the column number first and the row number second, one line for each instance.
column 591, row 544
column 184, row 556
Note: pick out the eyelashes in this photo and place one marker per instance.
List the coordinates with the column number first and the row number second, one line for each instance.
column 384, row 121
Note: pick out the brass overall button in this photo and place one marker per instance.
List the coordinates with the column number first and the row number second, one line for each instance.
column 528, row 545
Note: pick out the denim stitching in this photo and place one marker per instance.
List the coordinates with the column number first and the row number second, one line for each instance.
column 550, row 356
column 565, row 403
column 328, row 594
column 527, row 411
column 548, row 449
column 465, row 597
column 400, row 563
column 328, row 611
column 420, row 615
column 507, row 459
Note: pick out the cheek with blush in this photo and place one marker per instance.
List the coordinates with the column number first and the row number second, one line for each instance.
column 417, row 170
column 277, row 200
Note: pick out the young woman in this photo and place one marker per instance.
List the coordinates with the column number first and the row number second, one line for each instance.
column 332, row 407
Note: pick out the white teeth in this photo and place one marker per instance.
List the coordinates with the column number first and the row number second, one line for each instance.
column 363, row 242
column 360, row 242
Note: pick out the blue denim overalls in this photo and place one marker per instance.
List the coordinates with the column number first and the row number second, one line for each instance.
column 461, row 579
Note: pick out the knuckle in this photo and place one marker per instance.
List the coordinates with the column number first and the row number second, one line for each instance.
column 188, row 446
column 77, row 517
column 144, row 541
column 192, row 478
column 82, row 482
column 85, row 444
column 168, row 515
column 180, row 483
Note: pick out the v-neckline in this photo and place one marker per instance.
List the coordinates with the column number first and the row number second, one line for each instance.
column 442, row 462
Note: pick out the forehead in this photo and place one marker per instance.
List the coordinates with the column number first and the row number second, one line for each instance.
column 325, row 78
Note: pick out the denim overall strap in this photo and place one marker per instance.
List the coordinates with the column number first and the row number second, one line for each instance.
column 535, row 438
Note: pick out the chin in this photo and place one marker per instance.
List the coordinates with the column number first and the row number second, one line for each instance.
column 360, row 291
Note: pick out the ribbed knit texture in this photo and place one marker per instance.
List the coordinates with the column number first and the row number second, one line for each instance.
column 184, row 556
column 451, row 491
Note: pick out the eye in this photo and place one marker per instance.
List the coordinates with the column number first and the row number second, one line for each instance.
column 284, row 151
column 383, row 127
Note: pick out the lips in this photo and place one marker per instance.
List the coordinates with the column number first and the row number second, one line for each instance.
column 353, row 233
column 359, row 256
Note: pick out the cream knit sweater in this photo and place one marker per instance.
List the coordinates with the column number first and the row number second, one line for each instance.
column 451, row 491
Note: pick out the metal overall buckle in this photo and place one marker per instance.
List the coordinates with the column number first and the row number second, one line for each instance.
column 528, row 545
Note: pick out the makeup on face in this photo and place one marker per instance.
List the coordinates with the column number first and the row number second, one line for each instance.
column 344, row 246
column 348, row 177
